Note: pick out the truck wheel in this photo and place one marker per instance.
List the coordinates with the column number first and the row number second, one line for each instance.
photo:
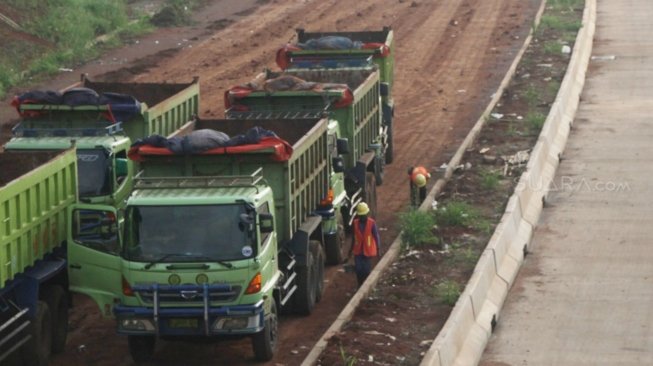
column 37, row 350
column 336, row 244
column 264, row 342
column 141, row 348
column 370, row 193
column 304, row 297
column 318, row 255
column 57, row 301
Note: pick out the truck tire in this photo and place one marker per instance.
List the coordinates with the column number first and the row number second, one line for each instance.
column 141, row 348
column 336, row 245
column 36, row 351
column 57, row 301
column 370, row 193
column 264, row 343
column 304, row 297
column 318, row 255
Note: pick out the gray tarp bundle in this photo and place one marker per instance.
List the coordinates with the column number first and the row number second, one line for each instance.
column 330, row 43
column 206, row 139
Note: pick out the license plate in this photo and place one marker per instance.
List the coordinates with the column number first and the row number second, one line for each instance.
column 182, row 323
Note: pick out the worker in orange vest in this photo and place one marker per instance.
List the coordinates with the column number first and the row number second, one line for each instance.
column 418, row 178
column 365, row 242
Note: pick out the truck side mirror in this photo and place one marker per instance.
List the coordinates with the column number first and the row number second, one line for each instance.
column 343, row 146
column 266, row 222
column 338, row 164
column 121, row 167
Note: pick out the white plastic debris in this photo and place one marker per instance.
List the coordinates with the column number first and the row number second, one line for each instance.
column 374, row 332
column 65, row 69
column 434, row 205
column 156, row 42
column 484, row 150
column 391, row 320
column 294, row 352
column 566, row 49
column 604, row 58
column 496, row 115
column 425, row 343
column 370, row 358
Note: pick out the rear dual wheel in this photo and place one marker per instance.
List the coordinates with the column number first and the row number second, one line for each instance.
column 310, row 280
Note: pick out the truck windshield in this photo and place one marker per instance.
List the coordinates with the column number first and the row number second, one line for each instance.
column 187, row 234
column 93, row 171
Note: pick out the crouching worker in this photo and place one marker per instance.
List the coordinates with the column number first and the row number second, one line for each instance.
column 365, row 242
column 418, row 176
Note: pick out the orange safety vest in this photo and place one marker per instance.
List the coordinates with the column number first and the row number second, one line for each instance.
column 364, row 242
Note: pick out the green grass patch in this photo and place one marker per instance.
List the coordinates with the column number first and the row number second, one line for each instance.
column 456, row 213
column 448, row 291
column 490, row 179
column 535, row 121
column 347, row 360
column 417, row 229
column 565, row 5
column 463, row 255
column 532, row 96
column 63, row 34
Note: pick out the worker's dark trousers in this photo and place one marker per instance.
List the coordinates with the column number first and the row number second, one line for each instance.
column 363, row 267
column 417, row 195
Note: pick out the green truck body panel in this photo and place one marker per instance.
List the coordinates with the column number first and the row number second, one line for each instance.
column 37, row 188
column 385, row 63
column 298, row 184
column 360, row 122
column 163, row 108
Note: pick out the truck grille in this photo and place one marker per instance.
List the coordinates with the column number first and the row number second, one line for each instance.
column 191, row 297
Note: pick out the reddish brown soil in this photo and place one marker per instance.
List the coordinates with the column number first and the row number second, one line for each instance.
column 450, row 57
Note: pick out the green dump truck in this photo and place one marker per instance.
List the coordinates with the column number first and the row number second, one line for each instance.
column 349, row 96
column 347, row 49
column 103, row 118
column 36, row 189
column 214, row 243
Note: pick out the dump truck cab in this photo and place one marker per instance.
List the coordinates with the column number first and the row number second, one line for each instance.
column 105, row 173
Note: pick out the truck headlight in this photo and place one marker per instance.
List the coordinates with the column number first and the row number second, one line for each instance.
column 135, row 324
column 236, row 323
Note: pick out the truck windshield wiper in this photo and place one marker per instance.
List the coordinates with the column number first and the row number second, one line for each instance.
column 161, row 259
column 202, row 257
column 209, row 259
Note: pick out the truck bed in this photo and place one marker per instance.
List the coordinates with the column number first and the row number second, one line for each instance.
column 36, row 190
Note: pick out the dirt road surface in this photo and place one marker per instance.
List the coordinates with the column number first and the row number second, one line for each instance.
column 450, row 57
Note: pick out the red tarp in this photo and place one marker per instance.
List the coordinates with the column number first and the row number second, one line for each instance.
column 282, row 151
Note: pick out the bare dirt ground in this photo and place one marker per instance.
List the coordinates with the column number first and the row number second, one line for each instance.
column 450, row 57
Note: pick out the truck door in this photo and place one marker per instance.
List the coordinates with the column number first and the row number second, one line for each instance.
column 94, row 262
